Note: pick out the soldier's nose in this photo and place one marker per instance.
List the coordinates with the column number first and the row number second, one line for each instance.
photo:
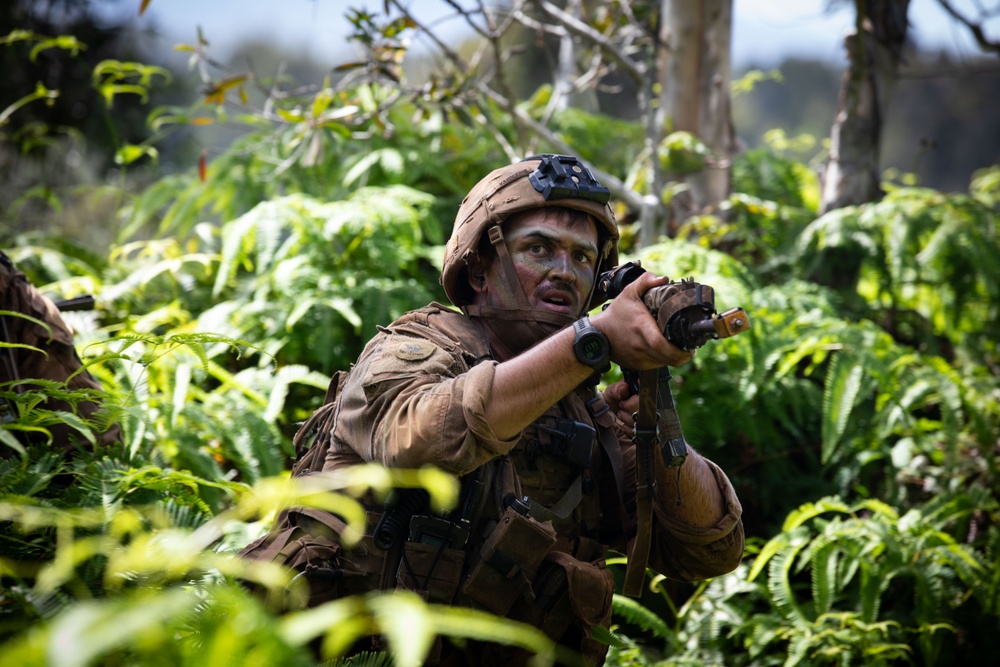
column 562, row 268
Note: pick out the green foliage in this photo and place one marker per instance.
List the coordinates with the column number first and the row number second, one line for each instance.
column 882, row 585
column 806, row 388
column 774, row 198
column 846, row 584
column 195, row 410
column 751, row 78
column 232, row 292
column 612, row 143
column 309, row 280
column 922, row 263
column 682, row 153
column 326, row 146
column 631, row 611
column 169, row 592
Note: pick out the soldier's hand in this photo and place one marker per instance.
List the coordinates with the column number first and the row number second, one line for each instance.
column 636, row 340
column 621, row 401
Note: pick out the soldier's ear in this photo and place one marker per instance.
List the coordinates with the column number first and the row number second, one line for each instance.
column 476, row 273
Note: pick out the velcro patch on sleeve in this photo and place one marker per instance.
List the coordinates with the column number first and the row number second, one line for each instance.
column 414, row 350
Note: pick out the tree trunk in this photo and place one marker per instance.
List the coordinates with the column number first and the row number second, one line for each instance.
column 695, row 75
column 566, row 92
column 874, row 51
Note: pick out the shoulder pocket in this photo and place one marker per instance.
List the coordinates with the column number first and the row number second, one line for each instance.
column 404, row 356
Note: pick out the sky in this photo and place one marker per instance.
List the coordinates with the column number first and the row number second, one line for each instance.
column 764, row 31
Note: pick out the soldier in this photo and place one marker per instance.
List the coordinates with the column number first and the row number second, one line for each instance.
column 49, row 355
column 502, row 395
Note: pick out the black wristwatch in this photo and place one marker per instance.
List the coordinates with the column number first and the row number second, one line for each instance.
column 591, row 346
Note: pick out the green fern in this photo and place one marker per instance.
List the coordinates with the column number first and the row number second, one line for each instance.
column 362, row 659
column 843, row 384
column 633, row 612
column 825, row 570
column 780, row 583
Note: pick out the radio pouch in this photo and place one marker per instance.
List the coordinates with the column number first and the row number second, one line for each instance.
column 508, row 562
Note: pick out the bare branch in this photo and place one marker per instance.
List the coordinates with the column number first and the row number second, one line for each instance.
column 629, row 196
column 450, row 54
column 985, row 43
column 581, row 29
column 529, row 22
column 499, row 61
column 523, row 120
column 461, row 11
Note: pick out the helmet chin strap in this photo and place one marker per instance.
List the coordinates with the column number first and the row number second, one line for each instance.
column 523, row 326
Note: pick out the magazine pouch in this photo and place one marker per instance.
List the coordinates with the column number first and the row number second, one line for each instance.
column 508, row 562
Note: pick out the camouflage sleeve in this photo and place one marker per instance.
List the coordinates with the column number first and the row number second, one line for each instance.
column 689, row 553
column 411, row 401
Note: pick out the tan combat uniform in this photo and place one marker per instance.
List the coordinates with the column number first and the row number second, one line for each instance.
column 418, row 394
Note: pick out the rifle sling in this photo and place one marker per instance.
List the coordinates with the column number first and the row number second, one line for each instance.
column 608, row 439
column 645, row 439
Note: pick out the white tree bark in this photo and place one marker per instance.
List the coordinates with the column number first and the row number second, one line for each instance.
column 568, row 93
column 695, row 75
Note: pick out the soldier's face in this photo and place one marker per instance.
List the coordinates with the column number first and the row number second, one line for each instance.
column 554, row 259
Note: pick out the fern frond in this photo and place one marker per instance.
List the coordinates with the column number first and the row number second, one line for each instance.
column 607, row 637
column 843, row 385
column 49, row 605
column 239, row 238
column 798, row 650
column 876, row 507
column 765, row 631
column 875, row 578
column 825, row 569
column 808, row 511
column 362, row 659
column 779, row 580
column 633, row 612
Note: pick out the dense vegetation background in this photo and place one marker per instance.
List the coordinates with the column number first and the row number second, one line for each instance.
column 858, row 418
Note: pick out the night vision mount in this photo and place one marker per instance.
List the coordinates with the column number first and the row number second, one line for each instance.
column 565, row 177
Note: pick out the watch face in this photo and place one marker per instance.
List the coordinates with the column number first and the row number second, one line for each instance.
column 593, row 347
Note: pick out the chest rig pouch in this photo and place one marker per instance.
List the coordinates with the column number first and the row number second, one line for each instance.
column 523, row 537
column 509, row 560
column 432, row 546
column 574, row 441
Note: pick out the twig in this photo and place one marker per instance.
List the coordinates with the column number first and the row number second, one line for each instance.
column 581, row 29
column 976, row 29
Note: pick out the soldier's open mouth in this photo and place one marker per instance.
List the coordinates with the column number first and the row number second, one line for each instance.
column 557, row 303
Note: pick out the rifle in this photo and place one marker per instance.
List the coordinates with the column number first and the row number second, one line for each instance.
column 685, row 312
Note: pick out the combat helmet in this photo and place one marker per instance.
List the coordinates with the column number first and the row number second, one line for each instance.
column 534, row 182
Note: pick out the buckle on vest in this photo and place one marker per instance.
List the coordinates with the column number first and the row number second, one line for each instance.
column 597, row 407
